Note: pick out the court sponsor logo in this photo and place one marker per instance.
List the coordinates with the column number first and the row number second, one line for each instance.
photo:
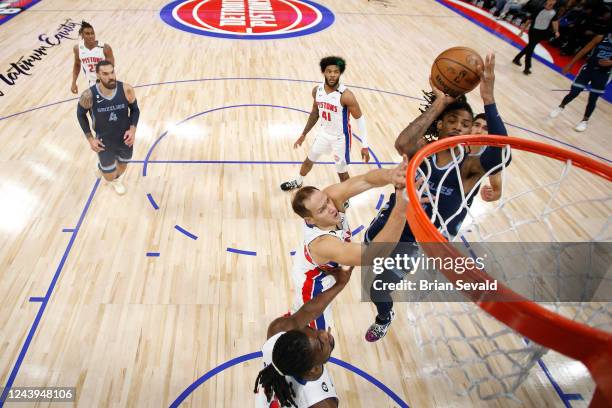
column 248, row 19
column 26, row 63
column 9, row 9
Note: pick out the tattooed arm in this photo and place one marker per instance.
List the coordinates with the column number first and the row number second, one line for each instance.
column 84, row 105
column 410, row 140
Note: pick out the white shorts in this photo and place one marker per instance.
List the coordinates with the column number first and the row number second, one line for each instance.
column 307, row 286
column 339, row 146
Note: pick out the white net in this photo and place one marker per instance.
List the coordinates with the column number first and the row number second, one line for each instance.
column 543, row 201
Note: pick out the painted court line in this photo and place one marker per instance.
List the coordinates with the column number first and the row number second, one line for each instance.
column 152, row 201
column 184, row 231
column 45, row 301
column 242, row 252
column 258, row 354
column 152, row 254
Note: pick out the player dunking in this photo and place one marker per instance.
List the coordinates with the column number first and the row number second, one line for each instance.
column 294, row 356
column 115, row 114
column 87, row 54
column 444, row 117
column 334, row 104
column 595, row 72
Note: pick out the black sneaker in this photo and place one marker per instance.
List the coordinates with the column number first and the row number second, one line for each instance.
column 290, row 185
column 378, row 330
column 347, row 204
column 527, row 72
column 517, row 62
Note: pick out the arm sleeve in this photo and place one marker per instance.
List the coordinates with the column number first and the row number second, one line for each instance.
column 134, row 113
column 363, row 131
column 493, row 156
column 82, row 117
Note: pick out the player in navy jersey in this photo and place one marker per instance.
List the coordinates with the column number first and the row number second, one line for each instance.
column 114, row 111
column 595, row 72
column 445, row 116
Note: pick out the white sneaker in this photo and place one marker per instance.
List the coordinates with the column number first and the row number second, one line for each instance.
column 581, row 127
column 555, row 112
column 118, row 186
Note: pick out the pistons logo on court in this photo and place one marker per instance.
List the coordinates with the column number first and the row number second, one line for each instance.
column 248, row 19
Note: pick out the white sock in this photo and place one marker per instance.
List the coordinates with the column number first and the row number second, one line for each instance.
column 299, row 179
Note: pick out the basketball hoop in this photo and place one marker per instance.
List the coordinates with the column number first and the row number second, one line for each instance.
column 577, row 340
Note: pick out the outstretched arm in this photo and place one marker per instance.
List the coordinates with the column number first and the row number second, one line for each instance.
column 341, row 192
column 313, row 308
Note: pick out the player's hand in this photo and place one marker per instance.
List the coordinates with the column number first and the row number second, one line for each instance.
column 566, row 69
column 129, row 136
column 487, row 79
column 96, row 144
column 487, row 193
column 74, row 88
column 299, row 142
column 398, row 175
column 342, row 274
column 365, row 154
column 440, row 96
column 557, row 34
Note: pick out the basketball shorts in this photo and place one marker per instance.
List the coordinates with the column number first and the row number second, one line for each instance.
column 597, row 78
column 307, row 286
column 336, row 145
column 112, row 154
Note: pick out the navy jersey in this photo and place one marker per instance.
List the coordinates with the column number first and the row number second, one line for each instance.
column 602, row 51
column 110, row 115
column 450, row 208
column 449, row 202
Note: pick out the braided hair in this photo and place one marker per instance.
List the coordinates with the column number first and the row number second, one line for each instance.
column 460, row 103
column 84, row 25
column 292, row 356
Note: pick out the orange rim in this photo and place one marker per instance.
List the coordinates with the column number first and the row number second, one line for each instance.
column 591, row 346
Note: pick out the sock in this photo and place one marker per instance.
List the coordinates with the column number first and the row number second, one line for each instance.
column 299, row 179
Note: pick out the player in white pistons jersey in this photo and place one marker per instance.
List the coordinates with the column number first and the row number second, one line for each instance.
column 333, row 105
column 327, row 235
column 294, row 357
column 87, row 54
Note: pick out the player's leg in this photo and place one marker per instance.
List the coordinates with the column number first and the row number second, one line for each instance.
column 341, row 154
column 579, row 84
column 319, row 146
column 107, row 165
column 599, row 81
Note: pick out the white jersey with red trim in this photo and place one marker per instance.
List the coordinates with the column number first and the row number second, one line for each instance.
column 333, row 117
column 307, row 393
column 309, row 277
column 89, row 60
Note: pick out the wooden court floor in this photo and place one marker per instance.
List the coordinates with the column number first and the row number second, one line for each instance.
column 81, row 303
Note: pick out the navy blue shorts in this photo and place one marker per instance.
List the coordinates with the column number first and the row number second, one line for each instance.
column 112, row 154
column 598, row 78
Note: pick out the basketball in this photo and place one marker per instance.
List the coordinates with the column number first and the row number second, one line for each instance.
column 455, row 71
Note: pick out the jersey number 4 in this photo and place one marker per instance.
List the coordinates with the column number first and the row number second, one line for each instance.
column 112, row 117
